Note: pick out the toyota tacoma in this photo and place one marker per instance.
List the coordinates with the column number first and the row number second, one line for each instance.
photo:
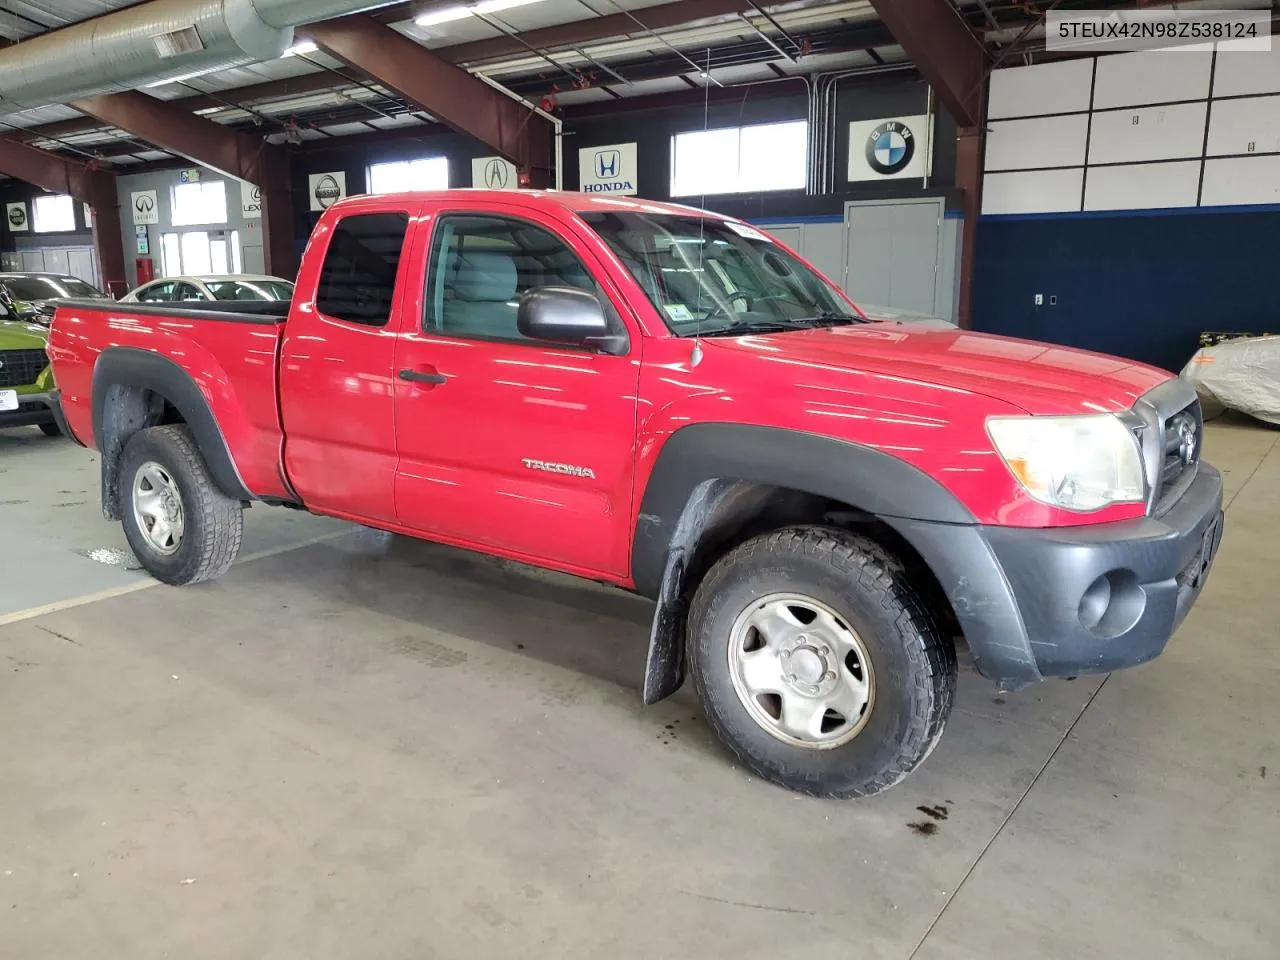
column 821, row 506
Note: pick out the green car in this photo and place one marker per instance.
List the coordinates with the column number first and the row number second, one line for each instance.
column 26, row 379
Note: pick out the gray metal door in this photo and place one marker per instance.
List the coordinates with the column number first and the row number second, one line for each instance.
column 891, row 253
column 33, row 261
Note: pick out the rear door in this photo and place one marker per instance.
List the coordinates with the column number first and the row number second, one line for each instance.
column 336, row 377
column 507, row 443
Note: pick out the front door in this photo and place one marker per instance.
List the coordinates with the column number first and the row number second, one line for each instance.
column 507, row 443
column 336, row 367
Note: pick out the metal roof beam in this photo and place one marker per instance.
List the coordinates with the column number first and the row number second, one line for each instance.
column 447, row 92
column 944, row 49
column 240, row 156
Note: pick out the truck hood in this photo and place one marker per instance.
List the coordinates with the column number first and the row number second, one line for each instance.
column 15, row 335
column 1041, row 378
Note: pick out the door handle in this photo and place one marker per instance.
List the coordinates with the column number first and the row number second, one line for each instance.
column 416, row 376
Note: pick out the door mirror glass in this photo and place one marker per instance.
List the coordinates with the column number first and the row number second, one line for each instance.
column 567, row 315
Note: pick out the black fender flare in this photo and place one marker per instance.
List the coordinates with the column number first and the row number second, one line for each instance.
column 700, row 469
column 120, row 410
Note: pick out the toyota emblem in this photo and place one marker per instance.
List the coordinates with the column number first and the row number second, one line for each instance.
column 1187, row 442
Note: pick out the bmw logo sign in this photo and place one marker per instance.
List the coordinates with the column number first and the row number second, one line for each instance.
column 890, row 147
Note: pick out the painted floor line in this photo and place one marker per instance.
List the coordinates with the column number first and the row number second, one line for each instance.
column 127, row 588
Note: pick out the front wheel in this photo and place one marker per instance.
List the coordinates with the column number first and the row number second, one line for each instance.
column 817, row 663
column 178, row 523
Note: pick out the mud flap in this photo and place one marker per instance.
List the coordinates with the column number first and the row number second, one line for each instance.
column 664, row 669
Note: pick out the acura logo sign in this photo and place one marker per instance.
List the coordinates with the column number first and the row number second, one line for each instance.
column 495, row 174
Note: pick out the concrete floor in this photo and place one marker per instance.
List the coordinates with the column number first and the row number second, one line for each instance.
column 358, row 745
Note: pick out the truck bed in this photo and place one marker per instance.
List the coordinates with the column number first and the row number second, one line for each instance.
column 228, row 349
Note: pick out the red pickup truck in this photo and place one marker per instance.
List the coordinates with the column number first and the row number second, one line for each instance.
column 821, row 506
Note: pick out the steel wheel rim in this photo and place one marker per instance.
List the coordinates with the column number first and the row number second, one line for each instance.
column 801, row 671
column 157, row 508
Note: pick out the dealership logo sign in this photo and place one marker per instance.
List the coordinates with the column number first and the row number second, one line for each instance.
column 17, row 216
column 890, row 147
column 327, row 189
column 495, row 174
column 608, row 169
column 146, row 207
column 250, row 201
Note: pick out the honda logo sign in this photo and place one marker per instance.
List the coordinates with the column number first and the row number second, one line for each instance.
column 608, row 169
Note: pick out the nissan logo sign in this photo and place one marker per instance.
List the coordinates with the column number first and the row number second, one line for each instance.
column 327, row 191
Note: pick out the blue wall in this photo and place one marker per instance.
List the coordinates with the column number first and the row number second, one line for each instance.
column 1136, row 284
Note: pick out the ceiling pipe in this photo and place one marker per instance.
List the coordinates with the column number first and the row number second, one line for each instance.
column 154, row 43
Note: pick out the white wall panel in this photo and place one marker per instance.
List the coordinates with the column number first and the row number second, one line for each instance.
column 1243, row 72
column 1035, row 143
column 1032, row 191
column 1041, row 89
column 1173, row 132
column 1240, row 180
column 1152, row 76
column 1147, row 186
column 1250, row 125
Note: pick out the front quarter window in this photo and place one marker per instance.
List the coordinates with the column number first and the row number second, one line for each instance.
column 707, row 276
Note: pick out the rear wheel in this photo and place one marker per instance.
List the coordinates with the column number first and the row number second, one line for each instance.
column 179, row 524
column 817, row 663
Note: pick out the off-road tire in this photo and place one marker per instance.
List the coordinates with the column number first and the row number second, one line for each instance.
column 50, row 430
column 913, row 663
column 214, row 522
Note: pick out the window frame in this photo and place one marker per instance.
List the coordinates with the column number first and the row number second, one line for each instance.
column 411, row 213
column 608, row 304
column 142, row 294
column 184, row 285
column 408, row 163
column 175, row 223
column 738, row 129
column 35, row 213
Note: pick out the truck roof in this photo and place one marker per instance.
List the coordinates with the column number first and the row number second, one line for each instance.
column 568, row 199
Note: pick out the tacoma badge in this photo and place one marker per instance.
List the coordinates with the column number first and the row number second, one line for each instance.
column 564, row 468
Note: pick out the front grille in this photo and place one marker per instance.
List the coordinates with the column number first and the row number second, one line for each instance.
column 1171, row 435
column 21, row 368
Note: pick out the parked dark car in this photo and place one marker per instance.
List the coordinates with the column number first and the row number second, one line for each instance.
column 31, row 296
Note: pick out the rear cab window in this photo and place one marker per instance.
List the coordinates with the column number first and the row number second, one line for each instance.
column 358, row 276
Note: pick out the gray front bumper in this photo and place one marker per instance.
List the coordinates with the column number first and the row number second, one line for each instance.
column 1063, row 601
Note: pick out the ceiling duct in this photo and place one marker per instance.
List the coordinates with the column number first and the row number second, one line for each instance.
column 154, row 42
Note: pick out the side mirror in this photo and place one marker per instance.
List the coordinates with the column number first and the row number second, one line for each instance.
column 568, row 315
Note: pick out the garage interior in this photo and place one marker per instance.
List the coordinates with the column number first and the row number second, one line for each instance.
column 361, row 742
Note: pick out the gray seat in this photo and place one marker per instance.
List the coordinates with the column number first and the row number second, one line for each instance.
column 484, row 296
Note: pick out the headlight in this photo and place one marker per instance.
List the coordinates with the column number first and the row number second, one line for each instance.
column 1077, row 463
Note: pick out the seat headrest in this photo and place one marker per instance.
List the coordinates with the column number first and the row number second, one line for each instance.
column 485, row 275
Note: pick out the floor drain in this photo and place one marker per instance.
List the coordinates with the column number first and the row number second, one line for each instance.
column 112, row 557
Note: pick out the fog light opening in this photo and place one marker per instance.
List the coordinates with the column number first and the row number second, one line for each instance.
column 1112, row 604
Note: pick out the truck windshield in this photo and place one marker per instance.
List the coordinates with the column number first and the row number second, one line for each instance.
column 711, row 277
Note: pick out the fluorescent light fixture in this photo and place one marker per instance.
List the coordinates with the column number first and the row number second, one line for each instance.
column 460, row 12
column 447, row 15
column 302, row 46
column 493, row 6
column 181, row 77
